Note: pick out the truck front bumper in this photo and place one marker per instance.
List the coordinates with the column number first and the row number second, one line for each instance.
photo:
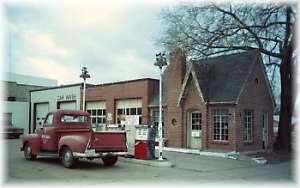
column 91, row 153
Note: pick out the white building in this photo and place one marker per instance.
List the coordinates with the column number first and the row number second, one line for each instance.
column 16, row 95
column 49, row 99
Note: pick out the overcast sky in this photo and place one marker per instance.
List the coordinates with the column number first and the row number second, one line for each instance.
column 114, row 40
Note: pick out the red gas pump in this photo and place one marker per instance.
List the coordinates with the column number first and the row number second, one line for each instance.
column 141, row 150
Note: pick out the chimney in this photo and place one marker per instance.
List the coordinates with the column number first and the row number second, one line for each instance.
column 177, row 62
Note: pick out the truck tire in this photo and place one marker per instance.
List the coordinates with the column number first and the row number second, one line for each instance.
column 67, row 158
column 110, row 161
column 28, row 152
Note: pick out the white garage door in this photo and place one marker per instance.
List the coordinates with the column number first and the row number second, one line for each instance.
column 129, row 111
column 41, row 112
column 97, row 110
column 67, row 105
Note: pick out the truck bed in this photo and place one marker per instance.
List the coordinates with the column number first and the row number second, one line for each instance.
column 109, row 141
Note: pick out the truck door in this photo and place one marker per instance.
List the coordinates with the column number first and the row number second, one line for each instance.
column 49, row 140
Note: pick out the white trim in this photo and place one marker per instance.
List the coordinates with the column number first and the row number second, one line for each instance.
column 245, row 81
column 267, row 82
column 197, row 85
column 185, row 81
column 228, row 103
column 186, row 77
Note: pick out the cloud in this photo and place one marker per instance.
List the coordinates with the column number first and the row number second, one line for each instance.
column 105, row 14
column 112, row 40
column 45, row 41
column 46, row 67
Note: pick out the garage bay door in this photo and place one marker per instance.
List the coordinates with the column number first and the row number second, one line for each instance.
column 129, row 111
column 71, row 105
column 97, row 110
column 41, row 111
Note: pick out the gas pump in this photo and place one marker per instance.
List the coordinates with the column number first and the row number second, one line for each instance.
column 143, row 148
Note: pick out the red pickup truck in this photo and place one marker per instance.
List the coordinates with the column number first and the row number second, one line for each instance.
column 68, row 134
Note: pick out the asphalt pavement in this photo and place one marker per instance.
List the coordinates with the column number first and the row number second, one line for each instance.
column 187, row 169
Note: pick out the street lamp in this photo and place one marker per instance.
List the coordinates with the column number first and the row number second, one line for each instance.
column 84, row 75
column 160, row 62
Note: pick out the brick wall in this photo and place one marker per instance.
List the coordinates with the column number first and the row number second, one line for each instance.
column 193, row 102
column 255, row 96
column 176, row 68
column 222, row 145
column 142, row 89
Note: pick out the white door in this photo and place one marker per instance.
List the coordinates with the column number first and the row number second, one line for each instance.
column 195, row 127
column 41, row 112
column 67, row 105
column 265, row 131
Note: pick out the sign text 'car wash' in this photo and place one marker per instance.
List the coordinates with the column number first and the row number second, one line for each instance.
column 67, row 97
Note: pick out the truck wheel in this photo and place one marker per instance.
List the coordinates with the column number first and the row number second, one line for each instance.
column 110, row 161
column 67, row 158
column 28, row 152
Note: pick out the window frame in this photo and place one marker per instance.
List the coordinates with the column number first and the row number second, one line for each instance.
column 248, row 125
column 46, row 120
column 97, row 116
column 218, row 123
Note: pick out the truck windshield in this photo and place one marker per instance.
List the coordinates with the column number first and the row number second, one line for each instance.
column 73, row 118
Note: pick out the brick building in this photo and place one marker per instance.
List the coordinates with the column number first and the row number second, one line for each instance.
column 222, row 102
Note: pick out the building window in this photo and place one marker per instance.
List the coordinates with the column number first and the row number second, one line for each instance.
column 49, row 120
column 155, row 121
column 122, row 112
column 196, row 121
column 248, row 125
column 98, row 116
column 220, row 125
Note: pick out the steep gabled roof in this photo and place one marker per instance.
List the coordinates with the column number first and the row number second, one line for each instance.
column 221, row 78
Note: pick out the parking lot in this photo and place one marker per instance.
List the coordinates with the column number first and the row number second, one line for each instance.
column 188, row 168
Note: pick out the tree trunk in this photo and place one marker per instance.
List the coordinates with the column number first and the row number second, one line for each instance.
column 283, row 141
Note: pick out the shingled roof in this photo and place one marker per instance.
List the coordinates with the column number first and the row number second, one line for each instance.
column 220, row 78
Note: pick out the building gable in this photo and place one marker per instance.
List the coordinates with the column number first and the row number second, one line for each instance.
column 189, row 76
column 258, row 71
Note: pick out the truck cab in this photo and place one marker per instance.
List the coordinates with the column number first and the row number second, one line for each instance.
column 68, row 134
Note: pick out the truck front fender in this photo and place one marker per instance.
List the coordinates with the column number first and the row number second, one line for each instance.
column 77, row 143
column 34, row 140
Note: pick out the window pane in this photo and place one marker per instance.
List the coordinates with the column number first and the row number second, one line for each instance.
column 104, row 112
column 99, row 112
column 73, row 118
column 139, row 111
column 120, row 111
column 93, row 112
column 49, row 119
column 132, row 111
column 89, row 111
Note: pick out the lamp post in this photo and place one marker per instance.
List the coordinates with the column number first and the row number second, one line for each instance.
column 84, row 75
column 160, row 62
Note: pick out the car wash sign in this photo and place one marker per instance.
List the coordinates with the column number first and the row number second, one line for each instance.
column 67, row 97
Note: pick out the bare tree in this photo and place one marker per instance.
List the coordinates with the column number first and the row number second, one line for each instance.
column 219, row 29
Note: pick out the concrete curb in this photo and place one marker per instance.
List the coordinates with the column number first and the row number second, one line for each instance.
column 155, row 163
column 194, row 151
